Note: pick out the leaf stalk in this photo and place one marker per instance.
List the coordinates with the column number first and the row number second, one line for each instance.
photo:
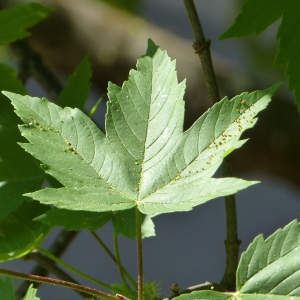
column 110, row 254
column 139, row 253
column 118, row 259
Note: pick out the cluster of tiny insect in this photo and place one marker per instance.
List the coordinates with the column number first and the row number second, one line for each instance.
column 34, row 123
column 70, row 148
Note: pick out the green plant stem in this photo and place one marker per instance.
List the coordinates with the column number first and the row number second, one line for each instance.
column 58, row 282
column 57, row 248
column 118, row 258
column 72, row 269
column 202, row 47
column 139, row 253
column 50, row 267
column 110, row 254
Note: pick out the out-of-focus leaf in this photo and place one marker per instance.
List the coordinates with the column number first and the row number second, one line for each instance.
column 77, row 88
column 19, row 172
column 6, row 289
column 31, row 294
column 15, row 21
column 257, row 15
column 19, row 234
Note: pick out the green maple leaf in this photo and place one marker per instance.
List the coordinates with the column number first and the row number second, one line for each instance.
column 268, row 270
column 19, row 171
column 31, row 294
column 77, row 88
column 257, row 15
column 15, row 21
column 145, row 159
column 6, row 289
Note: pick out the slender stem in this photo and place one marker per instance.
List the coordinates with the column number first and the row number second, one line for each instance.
column 110, row 254
column 72, row 269
column 58, row 282
column 232, row 243
column 138, row 221
column 201, row 45
column 118, row 258
column 50, row 267
column 57, row 248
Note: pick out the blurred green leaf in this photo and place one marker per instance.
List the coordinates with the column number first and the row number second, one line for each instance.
column 77, row 88
column 15, row 21
column 257, row 15
column 19, row 234
column 31, row 294
column 6, row 289
column 19, row 172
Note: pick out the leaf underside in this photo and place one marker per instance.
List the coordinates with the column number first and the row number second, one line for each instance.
column 257, row 15
column 144, row 159
column 19, row 171
column 6, row 289
column 19, row 234
column 268, row 270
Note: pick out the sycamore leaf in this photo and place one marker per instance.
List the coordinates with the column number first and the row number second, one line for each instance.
column 268, row 270
column 144, row 159
column 272, row 266
column 31, row 294
column 7, row 289
column 19, row 234
column 257, row 15
column 15, row 21
column 19, row 172
column 77, row 88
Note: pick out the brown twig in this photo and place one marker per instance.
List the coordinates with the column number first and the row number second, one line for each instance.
column 58, row 282
column 202, row 47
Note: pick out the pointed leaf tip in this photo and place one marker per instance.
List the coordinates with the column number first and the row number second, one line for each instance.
column 152, row 48
column 145, row 159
